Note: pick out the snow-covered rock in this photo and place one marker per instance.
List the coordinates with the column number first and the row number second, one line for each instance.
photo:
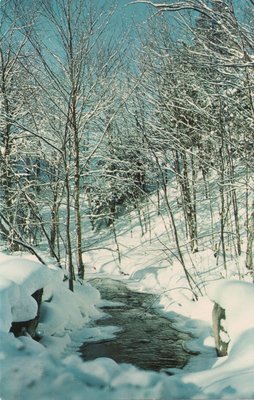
column 237, row 299
column 19, row 279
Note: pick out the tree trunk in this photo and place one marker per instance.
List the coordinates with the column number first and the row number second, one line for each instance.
column 68, row 234
column 250, row 243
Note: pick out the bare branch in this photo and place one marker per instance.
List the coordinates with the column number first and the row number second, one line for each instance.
column 19, row 239
column 198, row 6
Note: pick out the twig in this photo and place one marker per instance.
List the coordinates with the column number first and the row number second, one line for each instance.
column 20, row 241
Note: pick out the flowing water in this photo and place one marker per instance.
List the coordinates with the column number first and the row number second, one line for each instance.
column 146, row 339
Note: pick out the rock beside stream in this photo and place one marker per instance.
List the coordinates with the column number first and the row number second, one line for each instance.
column 23, row 327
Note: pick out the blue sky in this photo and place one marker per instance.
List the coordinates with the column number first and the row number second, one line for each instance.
column 128, row 16
column 127, row 12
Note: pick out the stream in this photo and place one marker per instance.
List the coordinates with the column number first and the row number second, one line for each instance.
column 146, row 339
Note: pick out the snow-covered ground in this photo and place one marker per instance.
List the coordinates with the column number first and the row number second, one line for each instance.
column 29, row 370
column 52, row 369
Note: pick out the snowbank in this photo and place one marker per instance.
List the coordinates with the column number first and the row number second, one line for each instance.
column 237, row 298
column 19, row 279
column 61, row 310
column 232, row 376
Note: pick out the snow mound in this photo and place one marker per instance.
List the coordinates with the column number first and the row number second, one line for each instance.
column 19, row 279
column 30, row 274
column 236, row 298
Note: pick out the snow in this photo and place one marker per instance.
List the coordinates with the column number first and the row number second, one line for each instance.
column 236, row 298
column 9, row 296
column 19, row 279
column 52, row 369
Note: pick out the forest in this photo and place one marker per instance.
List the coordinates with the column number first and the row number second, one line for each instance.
column 91, row 127
column 113, row 123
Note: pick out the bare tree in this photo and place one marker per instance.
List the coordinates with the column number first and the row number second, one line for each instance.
column 76, row 75
column 16, row 168
column 200, row 101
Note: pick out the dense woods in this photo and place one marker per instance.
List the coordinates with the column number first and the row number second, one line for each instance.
column 91, row 127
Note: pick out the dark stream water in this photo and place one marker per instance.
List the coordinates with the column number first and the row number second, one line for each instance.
column 146, row 339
